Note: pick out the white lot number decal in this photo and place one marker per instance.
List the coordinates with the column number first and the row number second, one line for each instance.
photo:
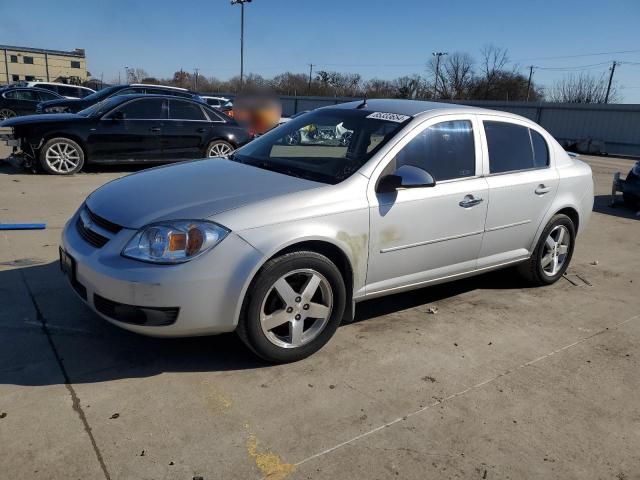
column 391, row 117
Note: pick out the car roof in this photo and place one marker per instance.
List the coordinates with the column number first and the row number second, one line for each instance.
column 37, row 82
column 168, row 87
column 35, row 89
column 416, row 108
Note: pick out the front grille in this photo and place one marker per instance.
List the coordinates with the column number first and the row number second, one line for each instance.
column 103, row 222
column 149, row 316
column 90, row 236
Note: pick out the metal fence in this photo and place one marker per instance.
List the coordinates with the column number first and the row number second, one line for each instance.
column 613, row 128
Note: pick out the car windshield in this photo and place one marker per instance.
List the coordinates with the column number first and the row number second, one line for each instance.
column 326, row 145
column 100, row 108
column 100, row 94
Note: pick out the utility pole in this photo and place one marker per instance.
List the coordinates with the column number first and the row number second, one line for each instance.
column 195, row 87
column 241, row 2
column 435, row 84
column 613, row 69
column 529, row 82
column 310, row 73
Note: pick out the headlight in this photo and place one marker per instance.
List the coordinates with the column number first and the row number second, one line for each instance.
column 55, row 109
column 174, row 242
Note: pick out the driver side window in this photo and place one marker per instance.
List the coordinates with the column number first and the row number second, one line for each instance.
column 446, row 150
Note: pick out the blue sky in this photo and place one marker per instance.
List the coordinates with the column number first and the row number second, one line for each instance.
column 375, row 38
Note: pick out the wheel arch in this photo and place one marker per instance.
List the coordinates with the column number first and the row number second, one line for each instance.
column 70, row 136
column 570, row 211
column 323, row 246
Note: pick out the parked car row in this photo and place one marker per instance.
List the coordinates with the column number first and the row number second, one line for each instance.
column 138, row 125
column 23, row 101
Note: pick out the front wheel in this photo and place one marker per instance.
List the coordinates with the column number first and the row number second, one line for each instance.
column 6, row 113
column 219, row 148
column 293, row 307
column 552, row 255
column 61, row 156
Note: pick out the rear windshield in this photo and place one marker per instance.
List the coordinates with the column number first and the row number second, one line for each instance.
column 326, row 145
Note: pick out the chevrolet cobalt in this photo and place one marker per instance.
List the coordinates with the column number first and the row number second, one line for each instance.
column 279, row 242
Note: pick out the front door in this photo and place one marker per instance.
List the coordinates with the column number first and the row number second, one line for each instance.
column 522, row 186
column 131, row 132
column 422, row 234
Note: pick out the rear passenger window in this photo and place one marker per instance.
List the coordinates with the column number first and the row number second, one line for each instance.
column 446, row 150
column 514, row 147
column 185, row 111
column 68, row 91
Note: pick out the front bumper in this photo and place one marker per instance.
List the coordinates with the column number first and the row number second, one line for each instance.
column 207, row 292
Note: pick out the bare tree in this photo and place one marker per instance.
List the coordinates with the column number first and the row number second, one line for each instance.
column 135, row 75
column 455, row 75
column 582, row 88
column 492, row 62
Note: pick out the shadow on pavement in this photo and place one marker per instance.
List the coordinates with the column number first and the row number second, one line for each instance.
column 44, row 325
column 602, row 204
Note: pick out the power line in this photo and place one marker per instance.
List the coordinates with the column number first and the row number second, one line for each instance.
column 581, row 55
column 574, row 67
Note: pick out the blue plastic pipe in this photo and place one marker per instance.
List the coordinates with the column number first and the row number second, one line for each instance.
column 23, row 226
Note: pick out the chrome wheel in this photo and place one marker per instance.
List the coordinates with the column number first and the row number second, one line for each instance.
column 296, row 308
column 219, row 149
column 556, row 248
column 62, row 157
column 6, row 113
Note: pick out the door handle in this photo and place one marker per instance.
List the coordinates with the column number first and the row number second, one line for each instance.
column 155, row 129
column 469, row 201
column 201, row 130
column 542, row 189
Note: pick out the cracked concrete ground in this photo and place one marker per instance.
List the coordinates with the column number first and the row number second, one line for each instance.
column 502, row 382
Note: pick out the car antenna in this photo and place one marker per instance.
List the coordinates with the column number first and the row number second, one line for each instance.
column 363, row 104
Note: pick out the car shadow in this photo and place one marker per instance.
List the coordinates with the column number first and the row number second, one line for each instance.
column 44, row 326
column 602, row 204
column 12, row 166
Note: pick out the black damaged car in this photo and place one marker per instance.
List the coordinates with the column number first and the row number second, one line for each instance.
column 123, row 129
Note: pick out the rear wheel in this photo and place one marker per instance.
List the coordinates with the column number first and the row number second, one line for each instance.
column 61, row 156
column 552, row 255
column 6, row 113
column 293, row 308
column 219, row 148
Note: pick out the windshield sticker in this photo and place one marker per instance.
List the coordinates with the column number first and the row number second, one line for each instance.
column 391, row 117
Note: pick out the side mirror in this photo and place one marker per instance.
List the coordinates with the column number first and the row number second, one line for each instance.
column 118, row 115
column 407, row 176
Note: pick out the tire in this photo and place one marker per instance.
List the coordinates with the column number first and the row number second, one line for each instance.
column 295, row 334
column 7, row 113
column 61, row 156
column 541, row 268
column 219, row 148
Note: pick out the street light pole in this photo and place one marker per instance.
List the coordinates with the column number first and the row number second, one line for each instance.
column 435, row 84
column 241, row 2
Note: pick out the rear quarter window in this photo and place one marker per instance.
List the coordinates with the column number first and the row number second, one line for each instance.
column 514, row 147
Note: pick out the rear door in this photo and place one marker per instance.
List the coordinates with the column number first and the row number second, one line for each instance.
column 522, row 186
column 185, row 132
column 130, row 132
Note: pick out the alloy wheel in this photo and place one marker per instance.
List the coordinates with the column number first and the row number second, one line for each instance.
column 6, row 113
column 296, row 308
column 219, row 149
column 556, row 249
column 62, row 157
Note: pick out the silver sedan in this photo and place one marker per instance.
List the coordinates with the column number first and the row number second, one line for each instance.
column 279, row 242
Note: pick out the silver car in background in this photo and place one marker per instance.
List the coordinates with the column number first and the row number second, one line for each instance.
column 279, row 241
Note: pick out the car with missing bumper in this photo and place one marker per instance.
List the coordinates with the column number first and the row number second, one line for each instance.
column 278, row 242
column 123, row 129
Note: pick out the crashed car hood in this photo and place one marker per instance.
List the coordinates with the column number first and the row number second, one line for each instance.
column 190, row 190
column 44, row 118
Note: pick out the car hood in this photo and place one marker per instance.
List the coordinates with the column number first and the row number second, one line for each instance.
column 197, row 189
column 62, row 102
column 44, row 118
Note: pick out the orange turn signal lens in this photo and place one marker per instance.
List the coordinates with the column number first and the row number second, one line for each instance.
column 177, row 241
